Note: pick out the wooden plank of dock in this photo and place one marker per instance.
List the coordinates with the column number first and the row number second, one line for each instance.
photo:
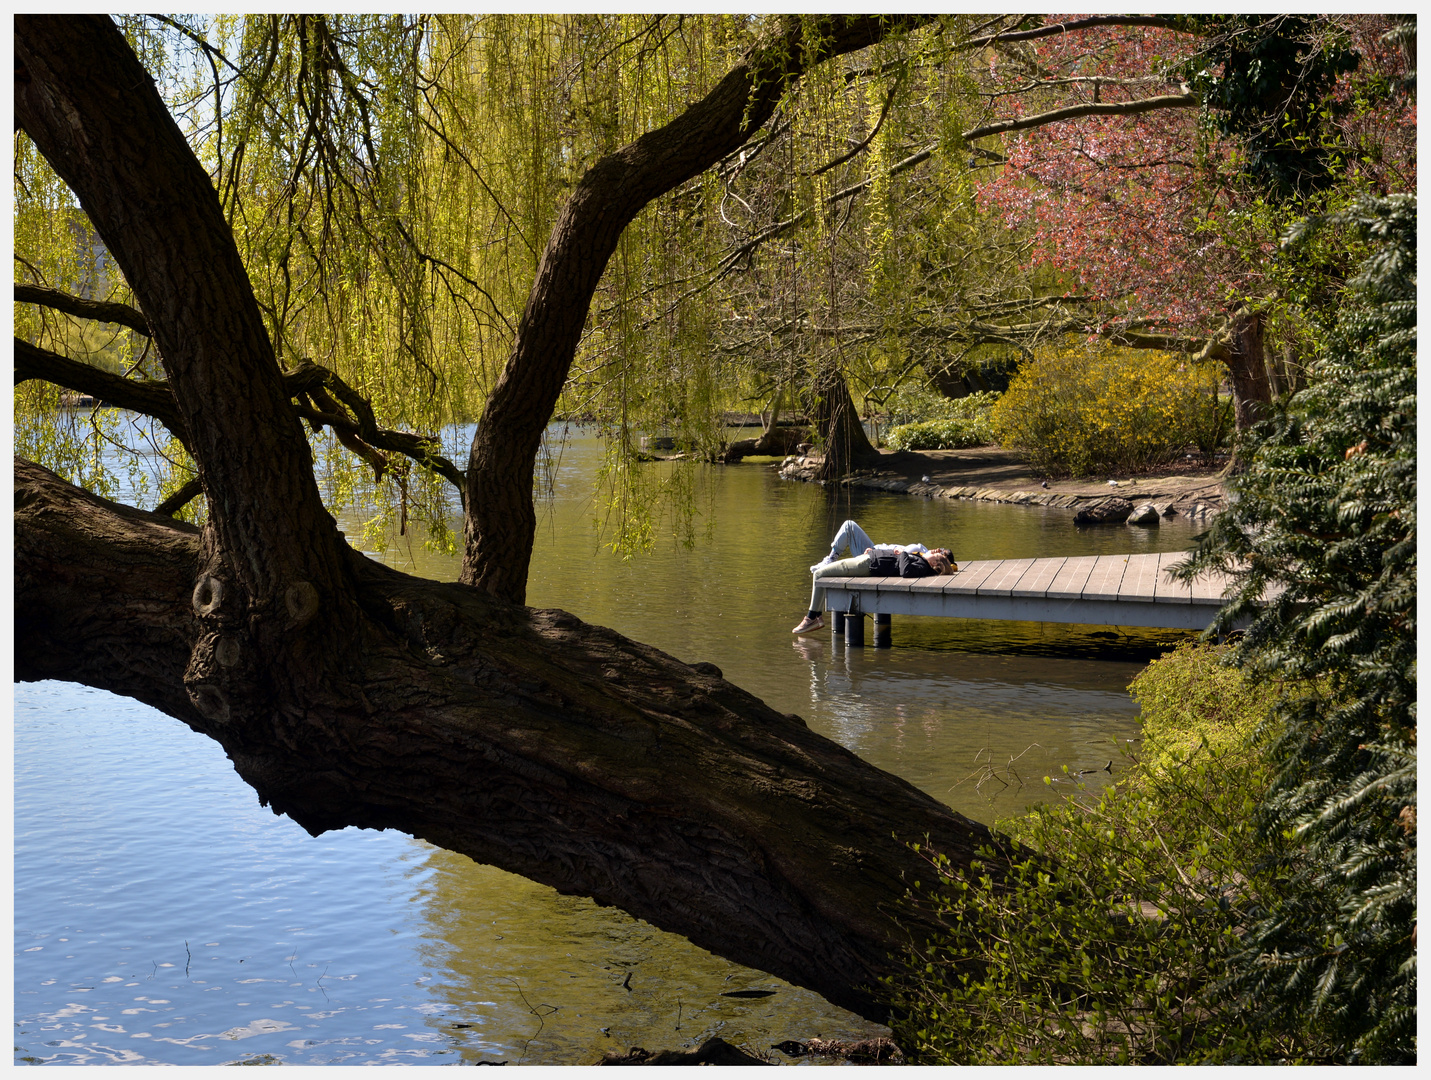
column 1140, row 579
column 1071, row 577
column 1116, row 590
column 1168, row 591
column 1005, row 577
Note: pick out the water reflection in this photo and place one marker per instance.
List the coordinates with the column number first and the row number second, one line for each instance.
column 161, row 916
column 580, row 980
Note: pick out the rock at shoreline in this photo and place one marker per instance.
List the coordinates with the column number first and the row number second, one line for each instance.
column 711, row 1052
column 1147, row 514
column 1104, row 512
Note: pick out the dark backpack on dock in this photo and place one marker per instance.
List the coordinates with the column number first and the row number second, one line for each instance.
column 901, row 564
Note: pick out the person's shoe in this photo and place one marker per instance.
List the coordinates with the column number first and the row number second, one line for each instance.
column 807, row 624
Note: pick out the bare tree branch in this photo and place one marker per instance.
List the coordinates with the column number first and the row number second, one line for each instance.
column 99, row 310
column 1094, row 108
column 1166, row 22
column 150, row 397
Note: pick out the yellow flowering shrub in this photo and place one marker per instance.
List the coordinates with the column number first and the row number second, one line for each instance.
column 1083, row 411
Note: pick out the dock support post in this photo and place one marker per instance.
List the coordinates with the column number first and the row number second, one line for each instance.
column 837, row 622
column 881, row 631
column 854, row 629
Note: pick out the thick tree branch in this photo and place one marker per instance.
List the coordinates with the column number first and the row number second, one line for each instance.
column 501, row 521
column 180, row 499
column 149, row 397
column 1094, row 108
column 155, row 398
column 100, row 310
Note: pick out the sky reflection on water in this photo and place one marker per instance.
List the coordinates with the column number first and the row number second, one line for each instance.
column 161, row 915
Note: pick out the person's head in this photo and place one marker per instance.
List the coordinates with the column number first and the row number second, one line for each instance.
column 938, row 560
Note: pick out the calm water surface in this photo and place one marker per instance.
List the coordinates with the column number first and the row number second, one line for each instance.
column 162, row 916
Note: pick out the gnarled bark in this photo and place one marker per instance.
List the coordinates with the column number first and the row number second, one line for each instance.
column 525, row 739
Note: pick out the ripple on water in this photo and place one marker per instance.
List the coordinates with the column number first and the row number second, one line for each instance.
column 163, row 917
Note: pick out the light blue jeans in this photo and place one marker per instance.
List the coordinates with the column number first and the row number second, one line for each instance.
column 850, row 538
column 859, row 566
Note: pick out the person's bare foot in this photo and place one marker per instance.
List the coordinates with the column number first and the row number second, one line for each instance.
column 807, row 624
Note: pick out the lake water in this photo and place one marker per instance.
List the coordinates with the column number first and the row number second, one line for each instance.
column 163, row 917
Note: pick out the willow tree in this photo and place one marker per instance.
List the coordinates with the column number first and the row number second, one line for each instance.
column 346, row 693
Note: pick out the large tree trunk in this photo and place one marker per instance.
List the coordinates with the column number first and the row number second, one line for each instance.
column 847, row 447
column 501, row 521
column 271, row 557
column 525, row 739
column 1247, row 365
column 349, row 694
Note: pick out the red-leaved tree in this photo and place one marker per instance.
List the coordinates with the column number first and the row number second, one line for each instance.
column 1152, row 216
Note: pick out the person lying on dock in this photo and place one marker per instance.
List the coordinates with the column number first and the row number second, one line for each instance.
column 900, row 563
column 850, row 537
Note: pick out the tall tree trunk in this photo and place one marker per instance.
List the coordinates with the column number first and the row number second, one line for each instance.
column 501, row 522
column 1247, row 364
column 846, row 445
column 271, row 556
column 349, row 694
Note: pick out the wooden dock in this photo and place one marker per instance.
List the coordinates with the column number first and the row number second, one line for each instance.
column 1107, row 590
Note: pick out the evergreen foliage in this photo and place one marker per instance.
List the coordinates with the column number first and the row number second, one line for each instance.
column 1326, row 513
column 1267, row 79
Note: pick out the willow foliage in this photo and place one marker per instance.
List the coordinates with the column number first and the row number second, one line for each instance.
column 392, row 180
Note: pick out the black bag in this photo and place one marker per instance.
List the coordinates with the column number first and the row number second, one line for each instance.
column 900, row 564
column 913, row 564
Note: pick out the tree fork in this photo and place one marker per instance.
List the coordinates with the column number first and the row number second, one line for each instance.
column 501, row 522
column 93, row 111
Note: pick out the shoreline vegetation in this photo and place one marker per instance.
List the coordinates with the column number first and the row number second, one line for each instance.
column 995, row 474
column 991, row 473
column 1032, row 972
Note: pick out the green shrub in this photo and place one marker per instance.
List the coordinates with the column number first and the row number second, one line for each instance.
column 927, row 421
column 915, row 402
column 941, row 434
column 1082, row 411
column 1108, row 942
